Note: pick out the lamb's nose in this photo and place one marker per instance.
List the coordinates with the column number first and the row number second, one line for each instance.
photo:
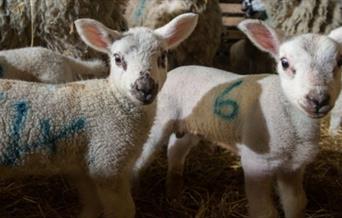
column 318, row 102
column 147, row 84
column 145, row 87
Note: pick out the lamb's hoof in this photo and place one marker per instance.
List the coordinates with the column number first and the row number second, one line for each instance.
column 136, row 186
column 174, row 186
column 90, row 214
column 333, row 133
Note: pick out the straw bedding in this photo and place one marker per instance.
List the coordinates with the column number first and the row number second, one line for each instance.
column 213, row 188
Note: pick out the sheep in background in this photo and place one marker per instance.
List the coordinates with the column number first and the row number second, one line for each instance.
column 91, row 130
column 296, row 17
column 254, row 9
column 49, row 23
column 245, row 58
column 336, row 118
column 271, row 121
column 201, row 46
column 39, row 64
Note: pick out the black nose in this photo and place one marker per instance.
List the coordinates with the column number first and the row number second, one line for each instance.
column 318, row 103
column 146, row 85
column 145, row 88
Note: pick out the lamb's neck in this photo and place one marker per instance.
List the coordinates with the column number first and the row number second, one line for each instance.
column 299, row 120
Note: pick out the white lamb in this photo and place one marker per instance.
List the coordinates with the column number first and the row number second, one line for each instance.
column 336, row 118
column 91, row 130
column 271, row 121
column 38, row 64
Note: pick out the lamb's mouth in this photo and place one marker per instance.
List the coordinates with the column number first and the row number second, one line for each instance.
column 143, row 94
column 316, row 114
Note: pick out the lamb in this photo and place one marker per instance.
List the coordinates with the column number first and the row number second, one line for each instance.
column 39, row 64
column 271, row 121
column 197, row 49
column 336, row 118
column 91, row 130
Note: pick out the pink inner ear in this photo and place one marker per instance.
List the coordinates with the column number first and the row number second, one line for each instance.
column 263, row 37
column 177, row 33
column 95, row 37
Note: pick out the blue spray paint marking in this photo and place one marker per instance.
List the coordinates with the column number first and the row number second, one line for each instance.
column 12, row 152
column 139, row 10
column 227, row 108
column 2, row 96
column 51, row 87
column 1, row 71
column 47, row 140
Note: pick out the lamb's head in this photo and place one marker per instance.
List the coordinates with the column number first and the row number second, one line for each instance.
column 254, row 9
column 138, row 57
column 309, row 65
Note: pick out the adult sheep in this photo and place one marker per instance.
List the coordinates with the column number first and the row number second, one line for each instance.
column 49, row 23
column 91, row 130
column 201, row 46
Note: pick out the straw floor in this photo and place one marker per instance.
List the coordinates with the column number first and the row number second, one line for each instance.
column 213, row 188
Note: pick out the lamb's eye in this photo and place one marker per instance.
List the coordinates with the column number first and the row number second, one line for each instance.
column 118, row 59
column 284, row 63
column 162, row 59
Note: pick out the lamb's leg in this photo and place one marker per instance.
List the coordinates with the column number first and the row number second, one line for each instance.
column 258, row 187
column 91, row 205
column 159, row 135
column 292, row 195
column 335, row 124
column 177, row 151
column 115, row 196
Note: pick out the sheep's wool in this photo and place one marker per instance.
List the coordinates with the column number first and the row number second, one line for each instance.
column 49, row 23
column 67, row 133
column 295, row 17
column 200, row 48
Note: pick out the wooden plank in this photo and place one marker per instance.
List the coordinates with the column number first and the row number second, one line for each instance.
column 233, row 35
column 230, row 1
column 231, row 9
column 231, row 21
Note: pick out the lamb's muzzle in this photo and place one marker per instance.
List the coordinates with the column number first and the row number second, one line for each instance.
column 145, row 88
column 317, row 105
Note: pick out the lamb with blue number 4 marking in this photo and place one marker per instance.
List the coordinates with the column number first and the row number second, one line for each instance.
column 91, row 130
column 271, row 121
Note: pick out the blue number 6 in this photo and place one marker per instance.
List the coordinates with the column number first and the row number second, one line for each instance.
column 222, row 104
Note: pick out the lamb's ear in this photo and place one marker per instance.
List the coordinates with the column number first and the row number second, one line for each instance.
column 178, row 29
column 96, row 35
column 336, row 34
column 263, row 36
